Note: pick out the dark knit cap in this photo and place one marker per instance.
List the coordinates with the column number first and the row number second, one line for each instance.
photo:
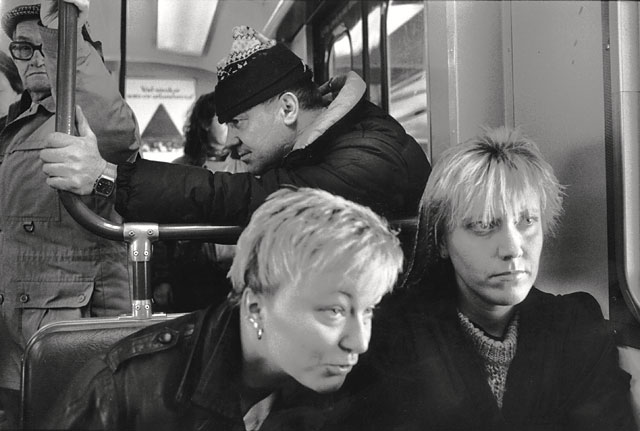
column 256, row 69
column 18, row 14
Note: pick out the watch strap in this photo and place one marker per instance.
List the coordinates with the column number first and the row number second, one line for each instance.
column 110, row 172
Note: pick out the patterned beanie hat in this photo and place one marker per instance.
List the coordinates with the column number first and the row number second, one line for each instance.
column 18, row 14
column 256, row 69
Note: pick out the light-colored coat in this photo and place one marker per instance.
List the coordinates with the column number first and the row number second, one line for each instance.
column 51, row 268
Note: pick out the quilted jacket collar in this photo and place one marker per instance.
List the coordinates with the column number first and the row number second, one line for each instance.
column 348, row 97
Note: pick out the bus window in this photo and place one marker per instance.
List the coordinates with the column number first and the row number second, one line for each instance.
column 375, row 55
column 341, row 41
column 407, row 68
column 341, row 52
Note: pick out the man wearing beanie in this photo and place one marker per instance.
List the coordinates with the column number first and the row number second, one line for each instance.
column 280, row 128
column 52, row 269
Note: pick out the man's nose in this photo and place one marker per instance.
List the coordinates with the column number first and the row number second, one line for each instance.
column 38, row 58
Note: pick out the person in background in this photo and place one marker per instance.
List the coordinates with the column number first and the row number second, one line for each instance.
column 205, row 138
column 478, row 346
column 310, row 268
column 52, row 268
column 10, row 86
column 188, row 275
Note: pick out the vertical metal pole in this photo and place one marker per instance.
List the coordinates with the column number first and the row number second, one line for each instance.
column 384, row 56
column 66, row 72
column 139, row 237
column 366, row 66
column 123, row 47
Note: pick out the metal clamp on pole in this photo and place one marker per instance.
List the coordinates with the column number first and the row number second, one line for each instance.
column 139, row 237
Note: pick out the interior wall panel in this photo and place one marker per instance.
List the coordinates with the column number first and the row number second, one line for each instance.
column 558, row 101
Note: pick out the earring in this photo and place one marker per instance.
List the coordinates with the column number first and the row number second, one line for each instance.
column 257, row 327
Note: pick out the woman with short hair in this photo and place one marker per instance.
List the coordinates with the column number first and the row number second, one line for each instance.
column 475, row 345
column 309, row 269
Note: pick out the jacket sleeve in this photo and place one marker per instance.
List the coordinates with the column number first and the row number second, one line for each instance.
column 366, row 169
column 598, row 396
column 89, row 403
column 110, row 118
column 149, row 191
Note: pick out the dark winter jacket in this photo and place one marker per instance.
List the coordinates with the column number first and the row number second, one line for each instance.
column 354, row 149
column 564, row 376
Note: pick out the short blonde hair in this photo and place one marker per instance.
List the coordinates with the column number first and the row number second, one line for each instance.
column 499, row 169
column 299, row 231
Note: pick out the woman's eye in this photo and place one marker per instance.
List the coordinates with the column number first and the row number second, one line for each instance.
column 530, row 220
column 481, row 226
column 335, row 311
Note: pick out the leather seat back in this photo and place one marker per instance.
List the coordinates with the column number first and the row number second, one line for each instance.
column 60, row 349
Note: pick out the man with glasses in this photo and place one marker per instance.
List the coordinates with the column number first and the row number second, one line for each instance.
column 51, row 268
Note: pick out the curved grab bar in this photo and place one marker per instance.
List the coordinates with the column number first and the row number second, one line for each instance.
column 90, row 220
column 100, row 226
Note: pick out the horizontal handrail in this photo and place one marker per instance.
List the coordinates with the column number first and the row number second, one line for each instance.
column 116, row 232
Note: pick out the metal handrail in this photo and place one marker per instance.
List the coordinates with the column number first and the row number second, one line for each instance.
column 104, row 228
column 138, row 236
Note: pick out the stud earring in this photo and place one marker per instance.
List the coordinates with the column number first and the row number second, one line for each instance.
column 257, row 327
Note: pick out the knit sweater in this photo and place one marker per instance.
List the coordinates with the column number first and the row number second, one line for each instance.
column 496, row 354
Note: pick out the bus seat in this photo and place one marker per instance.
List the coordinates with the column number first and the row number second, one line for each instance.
column 630, row 362
column 58, row 350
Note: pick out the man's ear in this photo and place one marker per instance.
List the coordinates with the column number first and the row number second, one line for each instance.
column 289, row 108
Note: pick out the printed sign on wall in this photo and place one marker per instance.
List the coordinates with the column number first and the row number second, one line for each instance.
column 161, row 107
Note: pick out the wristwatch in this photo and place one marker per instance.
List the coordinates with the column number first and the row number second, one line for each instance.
column 106, row 182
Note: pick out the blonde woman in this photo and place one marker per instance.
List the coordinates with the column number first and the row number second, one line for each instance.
column 309, row 269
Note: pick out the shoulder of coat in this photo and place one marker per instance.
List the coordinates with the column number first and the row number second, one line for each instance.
column 157, row 337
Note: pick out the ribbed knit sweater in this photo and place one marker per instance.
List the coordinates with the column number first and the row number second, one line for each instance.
column 496, row 354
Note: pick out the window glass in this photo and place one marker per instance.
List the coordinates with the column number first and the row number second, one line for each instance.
column 407, row 60
column 375, row 86
column 341, row 54
column 343, row 36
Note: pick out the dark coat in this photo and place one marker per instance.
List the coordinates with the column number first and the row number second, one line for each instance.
column 182, row 374
column 364, row 155
column 565, row 374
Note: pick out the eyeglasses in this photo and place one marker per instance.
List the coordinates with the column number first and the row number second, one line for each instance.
column 24, row 50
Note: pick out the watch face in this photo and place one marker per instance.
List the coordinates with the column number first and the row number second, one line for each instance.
column 104, row 187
